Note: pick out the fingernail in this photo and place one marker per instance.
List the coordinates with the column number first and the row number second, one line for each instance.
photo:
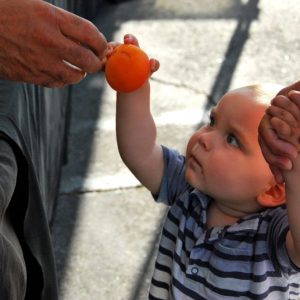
column 294, row 152
column 288, row 165
column 127, row 36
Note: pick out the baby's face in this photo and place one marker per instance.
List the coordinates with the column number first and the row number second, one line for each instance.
column 224, row 159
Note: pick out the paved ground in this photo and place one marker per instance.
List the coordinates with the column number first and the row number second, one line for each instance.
column 106, row 225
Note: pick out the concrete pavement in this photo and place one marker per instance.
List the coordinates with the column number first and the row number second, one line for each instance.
column 106, row 225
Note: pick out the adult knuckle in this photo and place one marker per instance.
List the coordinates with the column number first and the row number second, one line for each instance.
column 43, row 40
column 92, row 66
column 85, row 26
column 275, row 100
column 94, row 38
column 76, row 54
column 61, row 75
column 90, row 29
column 75, row 20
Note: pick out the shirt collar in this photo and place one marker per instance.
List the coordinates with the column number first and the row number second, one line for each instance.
column 202, row 198
column 249, row 223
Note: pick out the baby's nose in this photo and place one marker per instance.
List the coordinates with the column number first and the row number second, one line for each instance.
column 206, row 140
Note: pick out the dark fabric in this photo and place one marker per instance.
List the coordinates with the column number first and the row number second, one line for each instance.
column 32, row 122
column 12, row 266
column 33, row 128
column 86, row 9
column 35, row 119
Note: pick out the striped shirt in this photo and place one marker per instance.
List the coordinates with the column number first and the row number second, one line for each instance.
column 246, row 260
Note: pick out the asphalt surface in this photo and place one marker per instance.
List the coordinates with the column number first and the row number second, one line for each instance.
column 106, row 225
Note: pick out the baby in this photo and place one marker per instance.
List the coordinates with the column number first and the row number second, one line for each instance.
column 232, row 230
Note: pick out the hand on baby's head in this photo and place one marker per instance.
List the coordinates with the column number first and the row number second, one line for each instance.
column 284, row 115
column 279, row 133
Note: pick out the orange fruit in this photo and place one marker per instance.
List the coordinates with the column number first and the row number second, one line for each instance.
column 127, row 68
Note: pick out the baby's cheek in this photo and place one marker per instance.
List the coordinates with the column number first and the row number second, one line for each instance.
column 191, row 143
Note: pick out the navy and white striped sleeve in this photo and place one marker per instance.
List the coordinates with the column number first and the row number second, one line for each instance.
column 278, row 229
column 173, row 182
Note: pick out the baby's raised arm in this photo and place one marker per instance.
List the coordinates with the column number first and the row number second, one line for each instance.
column 136, row 132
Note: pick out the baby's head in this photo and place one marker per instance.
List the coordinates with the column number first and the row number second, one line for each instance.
column 224, row 159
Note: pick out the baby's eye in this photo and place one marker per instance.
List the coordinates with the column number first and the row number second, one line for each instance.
column 232, row 140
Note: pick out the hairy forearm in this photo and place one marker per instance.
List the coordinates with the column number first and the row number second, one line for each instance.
column 136, row 137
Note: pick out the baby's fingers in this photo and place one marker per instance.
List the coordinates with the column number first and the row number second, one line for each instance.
column 131, row 39
column 108, row 52
column 154, row 65
column 110, row 48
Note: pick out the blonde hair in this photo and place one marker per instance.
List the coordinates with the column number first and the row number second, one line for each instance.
column 263, row 93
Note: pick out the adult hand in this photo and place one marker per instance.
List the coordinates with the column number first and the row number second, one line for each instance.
column 46, row 45
column 278, row 152
column 295, row 86
column 285, row 117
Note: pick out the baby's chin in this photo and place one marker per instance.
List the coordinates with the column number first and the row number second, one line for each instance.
column 191, row 179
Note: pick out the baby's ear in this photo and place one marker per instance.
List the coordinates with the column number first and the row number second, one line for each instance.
column 272, row 197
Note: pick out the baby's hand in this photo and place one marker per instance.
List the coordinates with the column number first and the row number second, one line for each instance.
column 108, row 51
column 128, row 39
column 127, row 67
column 131, row 39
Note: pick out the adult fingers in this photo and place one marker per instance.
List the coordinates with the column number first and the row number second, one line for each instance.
column 295, row 97
column 280, row 147
column 282, row 114
column 62, row 74
column 79, row 56
column 268, row 137
column 286, row 90
column 88, row 41
column 287, row 105
column 274, row 161
column 277, row 174
column 283, row 129
column 286, row 132
column 82, row 31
